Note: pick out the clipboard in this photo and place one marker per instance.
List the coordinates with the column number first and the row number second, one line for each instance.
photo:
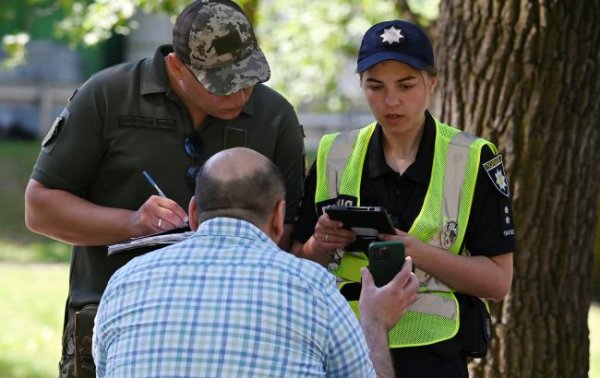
column 157, row 240
column 366, row 221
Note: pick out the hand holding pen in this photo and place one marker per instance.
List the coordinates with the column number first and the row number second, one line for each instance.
column 160, row 211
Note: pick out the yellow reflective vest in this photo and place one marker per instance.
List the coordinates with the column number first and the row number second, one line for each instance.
column 442, row 221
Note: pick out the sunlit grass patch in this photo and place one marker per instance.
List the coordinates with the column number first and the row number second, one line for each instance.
column 33, row 299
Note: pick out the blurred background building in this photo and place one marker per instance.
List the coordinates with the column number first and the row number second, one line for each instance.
column 32, row 94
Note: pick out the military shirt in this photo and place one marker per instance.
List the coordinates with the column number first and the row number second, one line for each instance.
column 126, row 119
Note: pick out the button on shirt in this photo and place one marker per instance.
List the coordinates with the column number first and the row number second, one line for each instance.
column 226, row 303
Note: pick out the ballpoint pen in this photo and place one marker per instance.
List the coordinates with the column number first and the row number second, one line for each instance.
column 153, row 183
column 162, row 194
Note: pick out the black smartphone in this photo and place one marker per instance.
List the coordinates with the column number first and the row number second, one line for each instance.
column 385, row 260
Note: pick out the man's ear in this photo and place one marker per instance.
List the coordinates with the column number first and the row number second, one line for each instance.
column 193, row 214
column 174, row 65
column 277, row 221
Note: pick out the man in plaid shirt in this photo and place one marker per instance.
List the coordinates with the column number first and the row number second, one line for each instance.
column 228, row 302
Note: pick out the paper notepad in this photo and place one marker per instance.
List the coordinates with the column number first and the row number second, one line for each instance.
column 159, row 239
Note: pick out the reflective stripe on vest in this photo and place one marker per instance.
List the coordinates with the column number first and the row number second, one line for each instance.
column 442, row 222
column 333, row 155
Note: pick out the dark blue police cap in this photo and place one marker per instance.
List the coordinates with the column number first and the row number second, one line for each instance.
column 395, row 40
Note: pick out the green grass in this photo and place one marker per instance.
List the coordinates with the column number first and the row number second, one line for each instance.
column 17, row 243
column 32, row 293
column 44, row 251
column 16, row 161
column 33, row 298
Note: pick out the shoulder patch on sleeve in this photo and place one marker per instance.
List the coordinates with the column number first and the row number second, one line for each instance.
column 495, row 171
column 54, row 132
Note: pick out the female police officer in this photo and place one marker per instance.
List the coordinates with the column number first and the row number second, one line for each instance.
column 445, row 190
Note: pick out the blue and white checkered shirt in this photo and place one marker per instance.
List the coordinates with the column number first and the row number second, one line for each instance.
column 226, row 303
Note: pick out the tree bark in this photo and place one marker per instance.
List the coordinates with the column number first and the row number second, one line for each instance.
column 596, row 269
column 524, row 74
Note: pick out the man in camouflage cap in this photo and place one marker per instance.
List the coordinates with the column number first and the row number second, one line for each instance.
column 166, row 115
column 216, row 40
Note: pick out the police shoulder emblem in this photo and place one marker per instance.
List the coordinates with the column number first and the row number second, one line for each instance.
column 495, row 171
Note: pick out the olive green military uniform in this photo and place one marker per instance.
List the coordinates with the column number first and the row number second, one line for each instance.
column 126, row 119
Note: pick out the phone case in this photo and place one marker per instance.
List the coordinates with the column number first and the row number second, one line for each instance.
column 386, row 259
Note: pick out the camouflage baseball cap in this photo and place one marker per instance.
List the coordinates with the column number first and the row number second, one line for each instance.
column 216, row 40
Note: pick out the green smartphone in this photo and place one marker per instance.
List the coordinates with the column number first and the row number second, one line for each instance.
column 385, row 260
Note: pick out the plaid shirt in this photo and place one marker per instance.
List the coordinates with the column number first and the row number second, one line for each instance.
column 226, row 303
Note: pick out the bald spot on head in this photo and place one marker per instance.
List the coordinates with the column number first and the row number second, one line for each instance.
column 235, row 163
column 238, row 183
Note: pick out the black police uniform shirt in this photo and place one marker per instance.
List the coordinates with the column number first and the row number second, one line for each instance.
column 490, row 231
column 126, row 119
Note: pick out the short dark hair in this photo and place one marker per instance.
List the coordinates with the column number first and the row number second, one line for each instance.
column 251, row 196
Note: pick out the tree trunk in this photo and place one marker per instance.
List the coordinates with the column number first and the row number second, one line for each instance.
column 524, row 74
column 596, row 269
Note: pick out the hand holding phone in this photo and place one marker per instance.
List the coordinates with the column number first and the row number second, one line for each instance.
column 385, row 306
column 386, row 259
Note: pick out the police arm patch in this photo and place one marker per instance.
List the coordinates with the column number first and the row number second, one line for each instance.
column 495, row 171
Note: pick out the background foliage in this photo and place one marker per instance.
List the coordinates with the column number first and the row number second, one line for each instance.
column 307, row 46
